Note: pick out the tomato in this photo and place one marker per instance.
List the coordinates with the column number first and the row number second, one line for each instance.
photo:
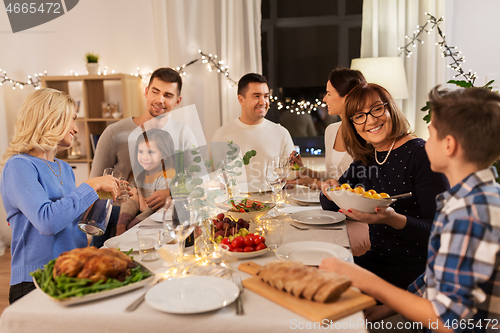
column 237, row 249
column 225, row 241
column 261, row 246
column 241, row 210
column 248, row 240
column 251, row 235
column 249, row 249
column 238, row 242
column 220, row 216
column 230, row 248
column 257, row 239
column 249, row 203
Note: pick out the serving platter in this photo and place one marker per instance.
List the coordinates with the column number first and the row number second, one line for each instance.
column 101, row 294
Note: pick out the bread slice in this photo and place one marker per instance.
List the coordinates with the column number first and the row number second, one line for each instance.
column 300, row 285
column 332, row 290
column 314, row 285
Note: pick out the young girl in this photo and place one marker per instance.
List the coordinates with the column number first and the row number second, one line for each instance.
column 153, row 161
column 38, row 190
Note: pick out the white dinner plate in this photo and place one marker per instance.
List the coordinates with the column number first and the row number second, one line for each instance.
column 158, row 215
column 317, row 217
column 311, row 197
column 124, row 242
column 253, row 188
column 247, row 255
column 311, row 253
column 192, row 294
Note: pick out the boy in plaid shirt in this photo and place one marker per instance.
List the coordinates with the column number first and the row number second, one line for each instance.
column 460, row 289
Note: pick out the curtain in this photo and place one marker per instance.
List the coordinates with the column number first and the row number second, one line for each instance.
column 230, row 29
column 5, row 231
column 385, row 24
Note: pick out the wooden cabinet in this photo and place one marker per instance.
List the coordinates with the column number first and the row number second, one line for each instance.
column 90, row 92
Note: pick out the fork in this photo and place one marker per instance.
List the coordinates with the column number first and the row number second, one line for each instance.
column 239, row 303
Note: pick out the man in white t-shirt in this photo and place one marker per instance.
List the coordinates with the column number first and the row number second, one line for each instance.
column 251, row 131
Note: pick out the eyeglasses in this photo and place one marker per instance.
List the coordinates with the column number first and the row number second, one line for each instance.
column 361, row 117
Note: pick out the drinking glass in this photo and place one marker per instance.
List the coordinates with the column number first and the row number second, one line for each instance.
column 272, row 230
column 276, row 173
column 112, row 172
column 148, row 241
column 123, row 195
column 180, row 229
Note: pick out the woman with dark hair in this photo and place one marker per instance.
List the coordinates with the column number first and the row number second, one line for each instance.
column 337, row 160
column 388, row 158
column 153, row 159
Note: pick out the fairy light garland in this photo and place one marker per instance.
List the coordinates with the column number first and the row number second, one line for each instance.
column 213, row 64
column 32, row 81
column 449, row 51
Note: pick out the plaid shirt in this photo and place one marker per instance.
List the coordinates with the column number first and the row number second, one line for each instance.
column 462, row 279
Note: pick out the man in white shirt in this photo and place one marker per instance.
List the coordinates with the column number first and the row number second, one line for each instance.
column 252, row 131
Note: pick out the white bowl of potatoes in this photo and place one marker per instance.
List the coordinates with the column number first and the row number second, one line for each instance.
column 364, row 201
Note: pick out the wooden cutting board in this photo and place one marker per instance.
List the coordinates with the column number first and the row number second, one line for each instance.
column 349, row 302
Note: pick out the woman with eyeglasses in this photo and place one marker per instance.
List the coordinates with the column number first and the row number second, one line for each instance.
column 388, row 158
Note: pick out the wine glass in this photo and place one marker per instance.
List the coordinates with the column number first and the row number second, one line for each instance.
column 275, row 174
column 179, row 227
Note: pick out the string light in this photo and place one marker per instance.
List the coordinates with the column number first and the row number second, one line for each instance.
column 449, row 51
column 35, row 82
column 213, row 64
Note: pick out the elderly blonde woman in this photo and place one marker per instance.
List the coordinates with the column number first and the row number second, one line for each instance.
column 38, row 190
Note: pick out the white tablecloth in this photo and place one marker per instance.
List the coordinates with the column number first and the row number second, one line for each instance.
column 36, row 313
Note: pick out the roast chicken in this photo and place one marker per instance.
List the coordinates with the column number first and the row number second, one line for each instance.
column 94, row 264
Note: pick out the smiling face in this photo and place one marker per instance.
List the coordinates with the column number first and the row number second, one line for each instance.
column 149, row 157
column 254, row 103
column 67, row 141
column 334, row 102
column 161, row 97
column 376, row 131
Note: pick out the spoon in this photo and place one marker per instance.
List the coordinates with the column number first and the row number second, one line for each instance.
column 398, row 196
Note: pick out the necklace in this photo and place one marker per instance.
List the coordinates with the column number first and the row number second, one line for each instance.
column 53, row 171
column 386, row 156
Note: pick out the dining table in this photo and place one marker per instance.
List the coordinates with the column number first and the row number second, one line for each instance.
column 36, row 312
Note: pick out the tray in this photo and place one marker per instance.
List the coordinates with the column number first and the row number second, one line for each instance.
column 349, row 302
column 101, row 294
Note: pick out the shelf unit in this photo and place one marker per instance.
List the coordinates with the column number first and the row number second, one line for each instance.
column 91, row 91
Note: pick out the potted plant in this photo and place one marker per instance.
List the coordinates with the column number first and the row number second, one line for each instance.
column 92, row 63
